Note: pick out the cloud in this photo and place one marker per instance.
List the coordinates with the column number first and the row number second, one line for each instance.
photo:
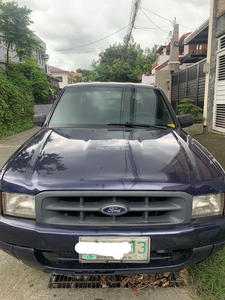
column 72, row 23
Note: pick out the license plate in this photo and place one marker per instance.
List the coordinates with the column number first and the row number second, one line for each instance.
column 139, row 253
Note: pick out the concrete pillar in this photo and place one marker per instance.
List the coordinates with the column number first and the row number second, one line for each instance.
column 174, row 63
column 174, row 50
column 208, row 119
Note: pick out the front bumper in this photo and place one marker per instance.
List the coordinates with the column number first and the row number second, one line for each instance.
column 51, row 248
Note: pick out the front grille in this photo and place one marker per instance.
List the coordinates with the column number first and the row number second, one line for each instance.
column 84, row 208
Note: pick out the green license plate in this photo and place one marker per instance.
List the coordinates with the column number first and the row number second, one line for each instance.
column 140, row 250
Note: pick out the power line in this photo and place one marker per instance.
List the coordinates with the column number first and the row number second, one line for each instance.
column 157, row 15
column 60, row 50
column 164, row 18
column 80, row 51
column 186, row 27
column 150, row 28
column 153, row 22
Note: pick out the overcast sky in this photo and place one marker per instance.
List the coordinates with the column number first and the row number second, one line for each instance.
column 67, row 26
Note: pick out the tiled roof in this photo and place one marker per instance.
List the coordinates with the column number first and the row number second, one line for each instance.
column 76, row 74
column 57, row 70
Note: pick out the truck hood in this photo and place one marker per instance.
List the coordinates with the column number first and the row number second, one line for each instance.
column 118, row 159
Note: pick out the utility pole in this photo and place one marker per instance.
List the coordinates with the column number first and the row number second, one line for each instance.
column 174, row 63
column 134, row 12
column 174, row 49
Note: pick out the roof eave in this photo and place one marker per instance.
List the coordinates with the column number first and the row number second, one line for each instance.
column 189, row 38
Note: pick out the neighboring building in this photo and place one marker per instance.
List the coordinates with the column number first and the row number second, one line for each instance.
column 77, row 76
column 40, row 55
column 64, row 77
column 189, row 82
column 163, row 53
column 3, row 54
column 204, row 81
column 214, row 104
column 41, row 59
column 161, row 70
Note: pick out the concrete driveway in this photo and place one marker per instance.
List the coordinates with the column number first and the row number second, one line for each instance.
column 19, row 282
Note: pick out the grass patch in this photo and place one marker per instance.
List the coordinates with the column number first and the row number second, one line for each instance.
column 207, row 280
column 192, row 133
column 10, row 131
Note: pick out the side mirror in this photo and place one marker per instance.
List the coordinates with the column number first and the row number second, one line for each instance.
column 186, row 120
column 39, row 120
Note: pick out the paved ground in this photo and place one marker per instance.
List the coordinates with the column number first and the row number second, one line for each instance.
column 215, row 144
column 19, row 282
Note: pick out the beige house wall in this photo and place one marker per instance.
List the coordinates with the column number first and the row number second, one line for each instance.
column 162, row 80
column 66, row 79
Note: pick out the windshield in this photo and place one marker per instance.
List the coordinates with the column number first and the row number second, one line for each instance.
column 110, row 105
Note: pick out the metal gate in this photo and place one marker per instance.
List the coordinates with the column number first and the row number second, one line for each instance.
column 219, row 103
column 189, row 83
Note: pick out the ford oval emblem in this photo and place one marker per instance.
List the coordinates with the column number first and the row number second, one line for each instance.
column 114, row 210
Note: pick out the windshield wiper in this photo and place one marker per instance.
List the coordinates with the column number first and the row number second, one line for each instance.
column 127, row 124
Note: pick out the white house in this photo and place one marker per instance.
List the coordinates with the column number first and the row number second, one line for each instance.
column 40, row 55
column 64, row 77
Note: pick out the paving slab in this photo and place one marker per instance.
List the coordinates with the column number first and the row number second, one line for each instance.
column 10, row 144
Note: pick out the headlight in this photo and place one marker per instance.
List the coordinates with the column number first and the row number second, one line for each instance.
column 207, row 205
column 18, row 205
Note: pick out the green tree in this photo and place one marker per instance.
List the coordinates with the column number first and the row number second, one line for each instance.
column 87, row 75
column 150, row 58
column 110, row 66
column 14, row 31
column 38, row 82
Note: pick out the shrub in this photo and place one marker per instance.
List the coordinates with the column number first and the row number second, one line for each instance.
column 16, row 104
column 36, row 79
column 21, row 86
column 187, row 106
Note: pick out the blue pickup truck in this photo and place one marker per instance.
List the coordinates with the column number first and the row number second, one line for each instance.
column 111, row 184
